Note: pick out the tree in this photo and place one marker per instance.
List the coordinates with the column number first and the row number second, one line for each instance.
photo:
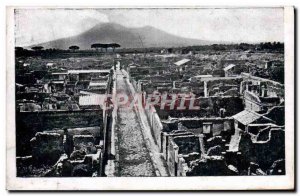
column 73, row 48
column 277, row 74
column 97, row 46
column 37, row 48
column 19, row 48
column 170, row 50
column 105, row 46
column 114, row 45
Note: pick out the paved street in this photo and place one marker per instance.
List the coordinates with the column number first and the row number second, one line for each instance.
column 133, row 155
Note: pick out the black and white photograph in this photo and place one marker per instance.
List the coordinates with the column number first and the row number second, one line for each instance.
column 178, row 94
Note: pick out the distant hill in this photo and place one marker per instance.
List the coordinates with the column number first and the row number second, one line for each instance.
column 126, row 37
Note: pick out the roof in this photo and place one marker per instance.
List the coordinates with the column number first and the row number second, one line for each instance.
column 93, row 83
column 59, row 73
column 19, row 85
column 58, row 82
column 182, row 62
column 87, row 93
column 166, row 55
column 221, row 78
column 50, row 64
column 92, row 99
column 246, row 117
column 249, row 76
column 89, row 71
column 200, row 77
column 229, row 67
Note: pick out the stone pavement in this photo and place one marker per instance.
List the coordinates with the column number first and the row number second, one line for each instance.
column 132, row 156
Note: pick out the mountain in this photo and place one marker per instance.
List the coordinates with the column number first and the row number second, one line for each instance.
column 126, row 37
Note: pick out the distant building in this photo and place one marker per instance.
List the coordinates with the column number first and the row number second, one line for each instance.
column 258, row 103
column 243, row 119
column 91, row 99
column 59, row 76
column 29, row 107
column 84, row 75
column 57, row 86
column 49, row 65
column 229, row 70
column 199, row 78
column 180, row 64
column 272, row 64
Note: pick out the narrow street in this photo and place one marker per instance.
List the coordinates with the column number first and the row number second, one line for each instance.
column 133, row 157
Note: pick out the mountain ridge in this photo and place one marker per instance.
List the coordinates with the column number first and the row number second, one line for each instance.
column 135, row 37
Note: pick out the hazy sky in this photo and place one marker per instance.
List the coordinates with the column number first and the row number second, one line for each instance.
column 234, row 25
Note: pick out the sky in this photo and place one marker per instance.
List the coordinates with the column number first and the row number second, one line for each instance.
column 251, row 25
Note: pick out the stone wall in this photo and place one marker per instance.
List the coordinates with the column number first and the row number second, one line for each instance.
column 47, row 147
column 85, row 143
column 184, row 162
column 209, row 107
column 94, row 131
column 29, row 123
column 155, row 124
column 263, row 153
column 179, row 146
column 172, row 158
column 195, row 125
column 187, row 144
column 210, row 166
column 165, row 141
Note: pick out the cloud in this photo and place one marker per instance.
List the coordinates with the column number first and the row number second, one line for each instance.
column 234, row 25
column 231, row 25
column 41, row 25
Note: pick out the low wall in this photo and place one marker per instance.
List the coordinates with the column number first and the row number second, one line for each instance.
column 134, row 84
column 155, row 124
column 172, row 159
column 94, row 131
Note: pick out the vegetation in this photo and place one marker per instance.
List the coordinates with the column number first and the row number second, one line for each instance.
column 105, row 46
column 97, row 46
column 114, row 45
column 74, row 48
column 37, row 48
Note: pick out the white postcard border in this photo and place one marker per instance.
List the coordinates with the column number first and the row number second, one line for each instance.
column 155, row 183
